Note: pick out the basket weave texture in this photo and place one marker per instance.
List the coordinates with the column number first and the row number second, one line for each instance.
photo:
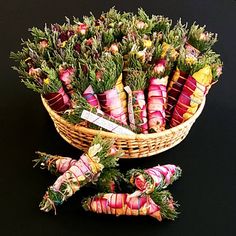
column 134, row 146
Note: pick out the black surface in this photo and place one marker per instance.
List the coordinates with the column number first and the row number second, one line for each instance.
column 207, row 189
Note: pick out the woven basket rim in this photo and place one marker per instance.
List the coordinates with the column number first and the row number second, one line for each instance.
column 108, row 134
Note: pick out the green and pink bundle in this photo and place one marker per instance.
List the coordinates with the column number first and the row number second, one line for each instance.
column 191, row 96
column 156, row 103
column 105, row 76
column 137, row 109
column 77, row 174
column 157, row 94
column 157, row 177
column 83, row 86
column 159, row 205
column 109, row 179
column 198, row 41
column 196, row 87
column 44, row 80
column 176, row 83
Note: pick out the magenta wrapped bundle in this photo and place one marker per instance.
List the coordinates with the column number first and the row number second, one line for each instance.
column 108, row 181
column 157, row 98
column 83, row 171
column 111, row 104
column 198, row 41
column 106, row 79
column 122, row 204
column 91, row 97
column 186, row 60
column 174, row 90
column 158, row 205
column 77, row 174
column 136, row 83
column 192, row 95
column 157, row 177
column 58, row 101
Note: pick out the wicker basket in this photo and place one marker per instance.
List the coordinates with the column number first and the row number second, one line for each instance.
column 134, row 146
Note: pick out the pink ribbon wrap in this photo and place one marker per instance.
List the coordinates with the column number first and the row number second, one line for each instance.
column 157, row 98
column 91, row 97
column 112, row 105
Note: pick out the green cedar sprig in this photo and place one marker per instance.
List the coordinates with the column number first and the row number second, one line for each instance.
column 133, row 62
column 182, row 63
column 161, row 24
column 109, row 67
column 106, row 158
column 117, row 21
column 216, row 69
column 176, row 36
column 201, row 39
column 143, row 17
column 90, row 22
column 110, row 180
column 166, row 203
column 54, row 83
column 208, row 58
column 74, row 115
column 29, row 81
column 157, row 50
column 81, row 83
column 128, row 42
column 26, row 59
column 136, row 79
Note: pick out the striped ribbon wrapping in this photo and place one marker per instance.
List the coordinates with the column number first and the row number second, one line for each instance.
column 192, row 95
column 111, row 104
column 123, row 204
column 157, row 98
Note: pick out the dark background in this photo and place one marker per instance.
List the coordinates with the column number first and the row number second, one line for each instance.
column 207, row 189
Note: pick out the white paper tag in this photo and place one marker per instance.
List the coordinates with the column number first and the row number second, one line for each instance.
column 104, row 123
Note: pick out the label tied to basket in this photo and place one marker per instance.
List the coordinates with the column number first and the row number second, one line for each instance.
column 104, row 123
column 130, row 107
